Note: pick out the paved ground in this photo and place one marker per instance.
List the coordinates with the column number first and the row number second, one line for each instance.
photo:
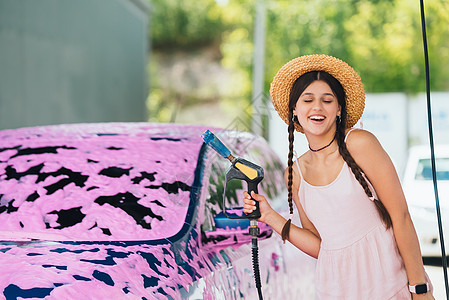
column 435, row 272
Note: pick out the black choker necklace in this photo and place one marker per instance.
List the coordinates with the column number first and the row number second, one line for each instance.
column 322, row 147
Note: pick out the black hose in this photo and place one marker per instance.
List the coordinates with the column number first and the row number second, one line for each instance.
column 255, row 252
column 432, row 148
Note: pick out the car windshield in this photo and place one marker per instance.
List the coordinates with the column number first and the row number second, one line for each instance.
column 424, row 169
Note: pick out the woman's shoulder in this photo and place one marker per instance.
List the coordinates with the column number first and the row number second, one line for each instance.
column 358, row 137
column 361, row 142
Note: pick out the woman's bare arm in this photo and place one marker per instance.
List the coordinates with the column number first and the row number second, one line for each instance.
column 379, row 169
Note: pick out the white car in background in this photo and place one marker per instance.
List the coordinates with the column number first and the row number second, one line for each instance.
column 419, row 191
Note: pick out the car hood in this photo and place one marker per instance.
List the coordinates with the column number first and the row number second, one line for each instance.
column 421, row 193
column 97, row 182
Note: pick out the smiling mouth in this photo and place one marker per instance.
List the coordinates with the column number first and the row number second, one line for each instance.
column 317, row 118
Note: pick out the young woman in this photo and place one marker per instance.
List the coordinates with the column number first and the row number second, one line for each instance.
column 353, row 212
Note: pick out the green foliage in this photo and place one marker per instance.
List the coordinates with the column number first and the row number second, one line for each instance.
column 300, row 28
column 386, row 45
column 381, row 39
column 437, row 34
column 237, row 49
column 176, row 24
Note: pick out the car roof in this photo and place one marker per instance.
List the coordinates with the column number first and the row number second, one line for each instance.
column 423, row 151
column 104, row 181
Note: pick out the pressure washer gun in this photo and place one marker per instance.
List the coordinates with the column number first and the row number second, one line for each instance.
column 251, row 173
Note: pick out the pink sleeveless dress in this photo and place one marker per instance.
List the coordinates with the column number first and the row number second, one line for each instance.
column 359, row 258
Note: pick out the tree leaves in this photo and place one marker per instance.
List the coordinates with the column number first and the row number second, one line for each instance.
column 381, row 39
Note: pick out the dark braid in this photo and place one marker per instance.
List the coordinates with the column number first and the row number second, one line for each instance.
column 291, row 137
column 355, row 168
column 358, row 173
column 298, row 87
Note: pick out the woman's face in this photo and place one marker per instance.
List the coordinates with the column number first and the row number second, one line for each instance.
column 317, row 108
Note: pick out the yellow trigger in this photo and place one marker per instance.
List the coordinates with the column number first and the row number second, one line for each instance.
column 249, row 172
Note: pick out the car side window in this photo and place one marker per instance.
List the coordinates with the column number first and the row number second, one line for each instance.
column 214, row 197
column 424, row 169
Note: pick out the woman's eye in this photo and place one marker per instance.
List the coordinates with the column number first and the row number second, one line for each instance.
column 307, row 100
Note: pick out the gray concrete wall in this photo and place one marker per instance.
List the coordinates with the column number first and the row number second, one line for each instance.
column 65, row 61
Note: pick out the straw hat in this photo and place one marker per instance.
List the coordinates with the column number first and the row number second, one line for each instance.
column 347, row 76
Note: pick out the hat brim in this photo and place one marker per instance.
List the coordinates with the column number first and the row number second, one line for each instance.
column 345, row 74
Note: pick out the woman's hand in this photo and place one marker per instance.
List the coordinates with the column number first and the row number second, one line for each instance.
column 250, row 205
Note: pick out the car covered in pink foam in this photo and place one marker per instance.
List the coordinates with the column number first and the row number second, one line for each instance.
column 129, row 211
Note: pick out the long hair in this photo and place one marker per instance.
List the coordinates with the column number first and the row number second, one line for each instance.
column 297, row 89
